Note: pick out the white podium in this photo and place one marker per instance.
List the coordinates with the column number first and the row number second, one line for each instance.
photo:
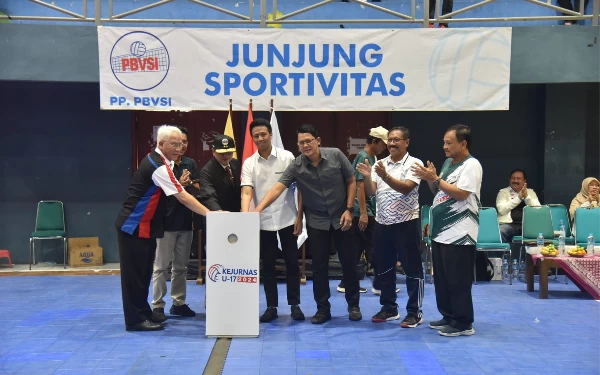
column 232, row 274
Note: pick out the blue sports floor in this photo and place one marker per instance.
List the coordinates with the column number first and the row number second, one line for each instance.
column 74, row 325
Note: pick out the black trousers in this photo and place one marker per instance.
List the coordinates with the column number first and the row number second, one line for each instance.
column 364, row 238
column 400, row 242
column 453, row 279
column 268, row 254
column 137, row 259
column 567, row 4
column 364, row 242
column 318, row 244
column 446, row 8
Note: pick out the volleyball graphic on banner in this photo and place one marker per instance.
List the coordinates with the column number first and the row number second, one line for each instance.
column 138, row 49
column 139, row 60
column 464, row 68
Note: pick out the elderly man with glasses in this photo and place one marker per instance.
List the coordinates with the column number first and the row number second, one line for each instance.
column 325, row 178
column 142, row 220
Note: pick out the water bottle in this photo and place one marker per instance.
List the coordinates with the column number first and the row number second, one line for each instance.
column 563, row 230
column 561, row 238
column 540, row 242
column 522, row 268
column 590, row 245
column 515, row 269
column 505, row 269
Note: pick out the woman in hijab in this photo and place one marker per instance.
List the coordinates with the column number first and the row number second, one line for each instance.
column 589, row 196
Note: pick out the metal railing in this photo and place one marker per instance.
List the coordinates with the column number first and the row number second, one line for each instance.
column 290, row 18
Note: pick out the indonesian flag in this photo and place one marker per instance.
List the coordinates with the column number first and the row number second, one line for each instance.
column 249, row 146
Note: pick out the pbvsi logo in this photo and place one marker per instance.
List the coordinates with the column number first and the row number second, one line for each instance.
column 139, row 61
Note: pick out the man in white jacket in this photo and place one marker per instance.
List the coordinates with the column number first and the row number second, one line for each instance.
column 510, row 202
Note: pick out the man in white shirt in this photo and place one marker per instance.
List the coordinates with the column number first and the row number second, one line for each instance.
column 510, row 203
column 397, row 233
column 260, row 172
column 454, row 229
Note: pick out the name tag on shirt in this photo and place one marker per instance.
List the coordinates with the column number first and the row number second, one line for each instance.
column 443, row 197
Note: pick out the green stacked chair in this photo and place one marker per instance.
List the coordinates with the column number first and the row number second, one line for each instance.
column 49, row 225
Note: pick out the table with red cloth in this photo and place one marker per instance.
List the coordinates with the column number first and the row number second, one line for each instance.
column 584, row 272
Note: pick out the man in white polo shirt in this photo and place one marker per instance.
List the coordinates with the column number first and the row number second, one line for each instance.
column 397, row 232
column 260, row 172
column 454, row 230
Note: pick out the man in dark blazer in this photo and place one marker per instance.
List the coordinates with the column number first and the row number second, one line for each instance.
column 220, row 178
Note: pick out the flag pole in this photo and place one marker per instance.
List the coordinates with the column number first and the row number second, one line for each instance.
column 230, row 105
column 271, row 111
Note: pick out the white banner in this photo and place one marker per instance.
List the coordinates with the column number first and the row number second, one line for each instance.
column 305, row 69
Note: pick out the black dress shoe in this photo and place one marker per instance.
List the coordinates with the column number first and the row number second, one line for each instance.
column 146, row 325
column 182, row 310
column 158, row 315
column 297, row 314
column 355, row 314
column 321, row 317
column 269, row 315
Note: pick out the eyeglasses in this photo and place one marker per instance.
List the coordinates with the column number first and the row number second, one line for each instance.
column 176, row 144
column 396, row 140
column 306, row 143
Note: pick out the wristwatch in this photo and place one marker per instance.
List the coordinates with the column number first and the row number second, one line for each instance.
column 436, row 183
column 350, row 209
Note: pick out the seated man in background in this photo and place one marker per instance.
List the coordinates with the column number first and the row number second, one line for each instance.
column 510, row 202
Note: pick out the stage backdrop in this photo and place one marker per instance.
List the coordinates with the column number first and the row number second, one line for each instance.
column 304, row 69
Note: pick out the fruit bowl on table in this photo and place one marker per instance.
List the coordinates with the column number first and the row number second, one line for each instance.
column 549, row 251
column 578, row 252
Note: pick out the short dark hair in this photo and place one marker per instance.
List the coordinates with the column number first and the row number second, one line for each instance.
column 184, row 130
column 463, row 133
column 261, row 122
column 405, row 132
column 519, row 170
column 308, row 128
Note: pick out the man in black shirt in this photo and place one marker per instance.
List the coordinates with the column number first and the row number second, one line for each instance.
column 176, row 243
column 326, row 181
column 141, row 222
column 220, row 187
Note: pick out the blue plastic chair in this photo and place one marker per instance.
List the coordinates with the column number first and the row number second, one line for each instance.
column 587, row 221
column 489, row 238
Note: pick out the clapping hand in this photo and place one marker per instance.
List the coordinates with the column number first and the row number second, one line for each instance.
column 428, row 173
column 364, row 168
column 523, row 192
column 185, row 178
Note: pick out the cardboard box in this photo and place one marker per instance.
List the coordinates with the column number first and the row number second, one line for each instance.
column 85, row 252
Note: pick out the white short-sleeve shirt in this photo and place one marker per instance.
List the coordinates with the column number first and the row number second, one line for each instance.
column 457, row 222
column 394, row 207
column 164, row 178
column 262, row 174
